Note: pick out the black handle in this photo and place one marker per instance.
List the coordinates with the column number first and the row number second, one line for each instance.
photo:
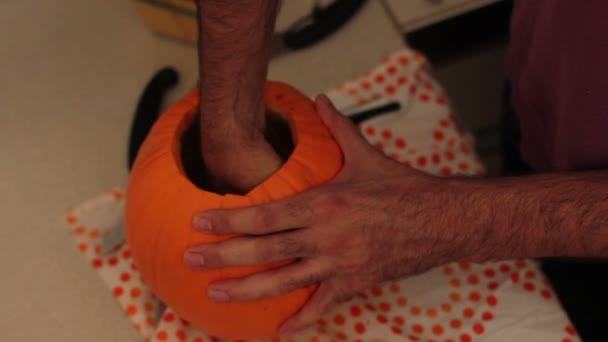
column 149, row 109
column 321, row 23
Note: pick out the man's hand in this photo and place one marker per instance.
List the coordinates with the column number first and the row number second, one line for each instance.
column 378, row 220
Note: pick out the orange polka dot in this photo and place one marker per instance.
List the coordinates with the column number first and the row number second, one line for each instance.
column 71, row 219
column 505, row 268
column 94, row 233
column 117, row 194
column 437, row 330
column 161, row 335
column 125, row 277
column 474, row 296
column 131, row 310
column 112, row 261
column 417, row 328
column 404, row 60
column 447, row 270
column 529, row 286
column 465, row 338
column 339, row 320
column 80, row 230
column 137, row 326
column 135, row 292
column 438, row 135
column 478, row 328
column 355, row 310
column 181, row 335
column 421, row 161
column 401, row 301
column 455, row 324
column 118, row 291
column 570, row 330
column 455, row 282
column 352, row 91
column 463, row 166
column 394, row 287
column 446, row 171
column 315, row 339
column 468, row 313
column 431, row 313
column 83, row 247
column 377, row 291
column 148, row 306
column 366, row 85
column 150, row 321
column 436, row 159
column 455, row 297
column 399, row 320
column 415, row 310
column 97, row 249
column 446, row 307
column 491, row 300
column 360, row 328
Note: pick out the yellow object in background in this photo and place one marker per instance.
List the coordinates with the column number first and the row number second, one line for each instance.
column 172, row 18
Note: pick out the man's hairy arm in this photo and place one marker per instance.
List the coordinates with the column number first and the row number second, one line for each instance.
column 234, row 52
column 551, row 215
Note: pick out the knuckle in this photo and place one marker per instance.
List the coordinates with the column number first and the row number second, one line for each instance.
column 289, row 246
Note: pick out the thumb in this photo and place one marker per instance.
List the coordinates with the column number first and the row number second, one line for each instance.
column 343, row 130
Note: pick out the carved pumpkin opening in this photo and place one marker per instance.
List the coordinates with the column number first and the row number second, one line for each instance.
column 278, row 133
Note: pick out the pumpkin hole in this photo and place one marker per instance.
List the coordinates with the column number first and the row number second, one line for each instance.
column 277, row 132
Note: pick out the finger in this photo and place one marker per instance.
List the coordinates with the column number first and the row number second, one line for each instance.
column 271, row 283
column 344, row 131
column 316, row 307
column 289, row 213
column 249, row 251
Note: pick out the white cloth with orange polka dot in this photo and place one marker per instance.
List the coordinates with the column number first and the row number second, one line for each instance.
column 503, row 301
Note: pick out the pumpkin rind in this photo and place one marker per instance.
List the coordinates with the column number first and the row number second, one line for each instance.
column 161, row 202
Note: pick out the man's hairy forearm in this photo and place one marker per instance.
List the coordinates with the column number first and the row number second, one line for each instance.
column 234, row 51
column 552, row 215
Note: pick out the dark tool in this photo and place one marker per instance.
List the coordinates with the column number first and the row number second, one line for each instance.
column 311, row 29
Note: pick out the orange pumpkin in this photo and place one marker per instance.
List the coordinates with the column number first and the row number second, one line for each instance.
column 162, row 201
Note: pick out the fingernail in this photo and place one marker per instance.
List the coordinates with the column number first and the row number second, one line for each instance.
column 202, row 224
column 194, row 260
column 218, row 296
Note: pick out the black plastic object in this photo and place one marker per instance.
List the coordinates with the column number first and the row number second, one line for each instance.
column 322, row 22
column 365, row 115
column 149, row 109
